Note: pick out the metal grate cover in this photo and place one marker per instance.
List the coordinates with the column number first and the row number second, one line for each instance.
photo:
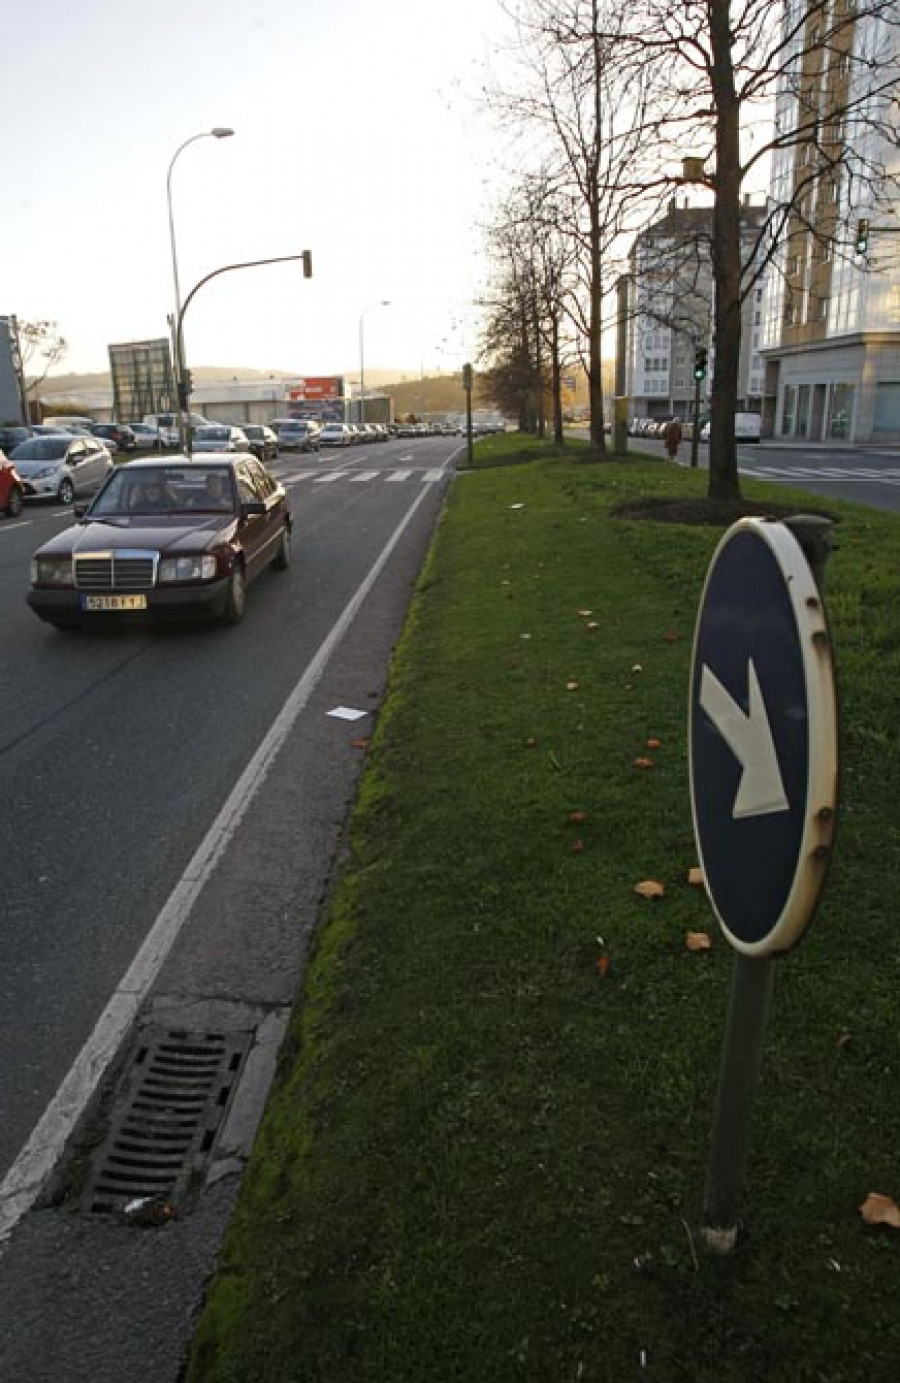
column 172, row 1102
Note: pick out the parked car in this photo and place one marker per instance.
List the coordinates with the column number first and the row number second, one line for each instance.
column 747, row 428
column 146, row 438
column 12, row 489
column 61, row 466
column 335, row 435
column 11, row 436
column 262, row 441
column 298, row 434
column 219, row 437
column 117, row 436
column 166, row 538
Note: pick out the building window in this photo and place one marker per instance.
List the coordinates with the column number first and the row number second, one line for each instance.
column 788, row 406
column 840, row 412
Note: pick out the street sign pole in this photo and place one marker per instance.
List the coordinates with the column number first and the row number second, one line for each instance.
column 752, row 988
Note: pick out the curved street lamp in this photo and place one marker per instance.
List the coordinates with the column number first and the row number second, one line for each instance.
column 362, row 377
column 217, row 132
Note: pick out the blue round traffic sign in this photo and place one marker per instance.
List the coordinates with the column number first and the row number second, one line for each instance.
column 763, row 738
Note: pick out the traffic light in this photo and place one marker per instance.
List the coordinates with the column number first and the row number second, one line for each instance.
column 307, row 264
column 185, row 387
column 467, row 377
column 700, row 356
column 862, row 235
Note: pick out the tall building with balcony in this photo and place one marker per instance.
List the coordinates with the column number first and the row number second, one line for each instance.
column 671, row 312
column 831, row 314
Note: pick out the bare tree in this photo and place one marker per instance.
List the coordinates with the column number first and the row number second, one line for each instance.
column 42, row 346
column 828, row 68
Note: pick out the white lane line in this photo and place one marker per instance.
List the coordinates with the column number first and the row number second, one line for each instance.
column 23, row 1182
column 362, row 476
column 16, row 523
column 398, row 475
column 430, row 476
column 291, row 477
column 331, row 476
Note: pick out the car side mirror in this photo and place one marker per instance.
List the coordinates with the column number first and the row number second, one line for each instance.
column 252, row 507
column 79, row 510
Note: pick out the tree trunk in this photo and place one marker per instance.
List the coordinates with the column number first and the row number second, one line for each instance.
column 556, row 381
column 726, row 257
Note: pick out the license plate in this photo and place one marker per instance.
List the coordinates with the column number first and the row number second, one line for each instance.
column 114, row 602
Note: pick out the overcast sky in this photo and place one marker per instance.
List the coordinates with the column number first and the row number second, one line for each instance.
column 355, row 137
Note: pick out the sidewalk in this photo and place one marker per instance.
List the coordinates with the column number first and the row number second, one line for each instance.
column 485, row 1154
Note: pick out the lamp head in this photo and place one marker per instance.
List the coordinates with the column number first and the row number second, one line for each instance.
column 221, row 132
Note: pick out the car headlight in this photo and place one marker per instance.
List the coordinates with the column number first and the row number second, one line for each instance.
column 45, row 472
column 51, row 571
column 187, row 569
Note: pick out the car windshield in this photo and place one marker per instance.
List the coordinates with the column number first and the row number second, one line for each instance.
column 212, row 434
column 165, row 490
column 43, row 448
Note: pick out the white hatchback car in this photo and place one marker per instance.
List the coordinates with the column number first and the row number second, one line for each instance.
column 61, row 466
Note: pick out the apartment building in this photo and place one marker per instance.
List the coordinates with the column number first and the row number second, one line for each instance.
column 670, row 314
column 831, row 311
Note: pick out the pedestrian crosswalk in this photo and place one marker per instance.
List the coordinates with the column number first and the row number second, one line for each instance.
column 428, row 476
column 839, row 474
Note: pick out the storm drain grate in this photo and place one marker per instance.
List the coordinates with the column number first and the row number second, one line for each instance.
column 173, row 1099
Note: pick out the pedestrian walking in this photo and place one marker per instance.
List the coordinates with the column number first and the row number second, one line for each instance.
column 672, row 438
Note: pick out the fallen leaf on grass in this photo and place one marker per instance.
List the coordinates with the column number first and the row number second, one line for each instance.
column 653, row 742
column 695, row 876
column 603, row 964
column 643, row 763
column 531, row 742
column 584, row 613
column 877, row 1209
column 844, row 1040
column 578, row 818
column 578, row 847
column 698, row 941
column 650, row 888
column 671, row 636
column 591, row 626
column 637, row 667
column 572, row 686
column 361, row 743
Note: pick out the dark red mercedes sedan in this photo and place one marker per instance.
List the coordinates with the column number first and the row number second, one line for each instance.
column 171, row 538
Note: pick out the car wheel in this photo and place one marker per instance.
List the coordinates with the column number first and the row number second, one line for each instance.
column 236, row 600
column 66, row 492
column 15, row 503
column 282, row 558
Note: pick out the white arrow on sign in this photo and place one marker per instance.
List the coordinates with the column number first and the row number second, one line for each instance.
column 749, row 737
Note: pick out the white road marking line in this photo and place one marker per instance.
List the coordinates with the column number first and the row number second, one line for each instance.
column 430, row 476
column 23, row 1182
column 15, row 523
column 398, row 475
column 364, row 475
column 329, row 477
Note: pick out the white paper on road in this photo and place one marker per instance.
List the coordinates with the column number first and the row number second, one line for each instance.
column 346, row 713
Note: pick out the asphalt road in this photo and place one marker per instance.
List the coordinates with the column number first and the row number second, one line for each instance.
column 124, row 816
column 866, row 475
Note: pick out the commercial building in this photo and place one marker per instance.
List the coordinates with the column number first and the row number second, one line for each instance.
column 831, row 316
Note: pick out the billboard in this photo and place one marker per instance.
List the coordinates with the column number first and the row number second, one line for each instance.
column 142, row 379
column 316, row 387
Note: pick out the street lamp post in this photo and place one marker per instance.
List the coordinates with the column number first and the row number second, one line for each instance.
column 362, row 374
column 218, row 132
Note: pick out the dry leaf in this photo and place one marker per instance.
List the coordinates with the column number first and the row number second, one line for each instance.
column 844, row 1040
column 653, row 743
column 572, row 686
column 695, row 876
column 578, row 847
column 650, row 888
column 531, row 742
column 361, row 743
column 643, row 763
column 603, row 964
column 637, row 667
column 584, row 613
column 671, row 636
column 877, row 1209
column 591, row 626
column 698, row 941
column 578, row 818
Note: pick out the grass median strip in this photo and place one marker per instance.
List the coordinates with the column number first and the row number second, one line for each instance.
column 485, row 1152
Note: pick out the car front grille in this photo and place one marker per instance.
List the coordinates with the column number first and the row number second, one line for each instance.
column 126, row 570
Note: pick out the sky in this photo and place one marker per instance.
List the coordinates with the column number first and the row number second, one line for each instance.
column 357, row 137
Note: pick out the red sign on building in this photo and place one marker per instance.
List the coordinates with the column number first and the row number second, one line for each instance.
column 317, row 387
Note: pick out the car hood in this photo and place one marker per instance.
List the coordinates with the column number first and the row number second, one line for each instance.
column 32, row 467
column 169, row 533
